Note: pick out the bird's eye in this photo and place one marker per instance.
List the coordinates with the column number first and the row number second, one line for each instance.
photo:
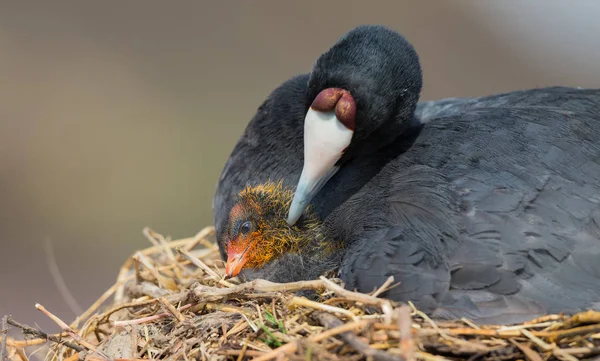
column 245, row 228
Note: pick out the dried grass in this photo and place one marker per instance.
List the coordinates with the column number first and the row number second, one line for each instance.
column 171, row 302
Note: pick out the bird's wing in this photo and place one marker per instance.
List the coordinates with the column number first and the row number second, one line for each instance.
column 398, row 225
column 493, row 212
column 530, row 193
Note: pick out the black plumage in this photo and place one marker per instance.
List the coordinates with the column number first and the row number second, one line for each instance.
column 487, row 208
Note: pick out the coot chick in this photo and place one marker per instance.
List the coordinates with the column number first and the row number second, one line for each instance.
column 486, row 208
column 258, row 234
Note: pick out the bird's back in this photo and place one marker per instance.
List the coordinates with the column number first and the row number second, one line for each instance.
column 497, row 199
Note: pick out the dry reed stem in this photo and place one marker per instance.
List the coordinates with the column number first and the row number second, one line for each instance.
column 172, row 310
column 3, row 343
column 293, row 346
column 198, row 263
column 66, row 328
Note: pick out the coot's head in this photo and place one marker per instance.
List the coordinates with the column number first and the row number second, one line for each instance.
column 362, row 93
column 257, row 231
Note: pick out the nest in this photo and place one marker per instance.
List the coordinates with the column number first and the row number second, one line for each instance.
column 171, row 302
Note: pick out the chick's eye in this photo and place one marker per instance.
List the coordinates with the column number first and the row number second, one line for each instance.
column 245, row 228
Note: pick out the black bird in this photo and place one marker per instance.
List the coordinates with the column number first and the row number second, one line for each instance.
column 486, row 208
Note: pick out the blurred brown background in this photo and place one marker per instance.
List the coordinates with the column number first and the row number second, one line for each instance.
column 120, row 115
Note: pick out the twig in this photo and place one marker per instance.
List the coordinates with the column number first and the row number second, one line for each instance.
column 166, row 282
column 4, row 332
column 330, row 321
column 207, row 293
column 385, row 305
column 293, row 346
column 117, row 308
column 237, row 328
column 141, row 320
column 557, row 351
column 175, row 312
column 384, row 287
column 92, row 358
column 123, row 276
column 70, row 331
column 582, row 351
column 473, row 346
column 37, row 333
column 31, row 342
column 73, row 357
column 474, row 332
column 95, row 305
column 527, row 351
column 219, row 306
column 301, row 301
column 470, row 323
column 200, row 237
column 583, row 318
column 545, row 319
column 119, row 287
column 519, row 327
column 240, row 353
column 59, row 281
column 429, row 357
column 159, row 241
column 403, row 320
column 243, row 352
column 555, row 336
column 198, row 263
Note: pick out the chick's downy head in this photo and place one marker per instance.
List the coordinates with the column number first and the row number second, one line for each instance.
column 257, row 231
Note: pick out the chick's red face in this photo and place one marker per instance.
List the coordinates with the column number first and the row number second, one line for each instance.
column 240, row 249
column 242, row 239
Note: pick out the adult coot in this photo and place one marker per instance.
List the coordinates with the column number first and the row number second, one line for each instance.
column 487, row 208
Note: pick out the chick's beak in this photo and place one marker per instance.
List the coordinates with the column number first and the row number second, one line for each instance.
column 328, row 129
column 235, row 263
